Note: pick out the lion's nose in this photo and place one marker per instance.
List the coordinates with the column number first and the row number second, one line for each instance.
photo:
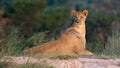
column 76, row 18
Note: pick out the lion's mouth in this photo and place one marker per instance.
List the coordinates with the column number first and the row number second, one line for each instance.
column 77, row 20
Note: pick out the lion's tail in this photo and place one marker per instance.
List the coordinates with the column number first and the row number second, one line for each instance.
column 28, row 51
column 32, row 50
column 88, row 52
column 85, row 52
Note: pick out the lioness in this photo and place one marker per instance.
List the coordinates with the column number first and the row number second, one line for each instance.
column 72, row 42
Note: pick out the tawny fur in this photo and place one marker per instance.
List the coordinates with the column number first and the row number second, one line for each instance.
column 72, row 42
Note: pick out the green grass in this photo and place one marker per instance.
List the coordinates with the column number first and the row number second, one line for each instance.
column 112, row 47
column 41, row 65
column 5, row 64
column 113, row 44
column 27, row 65
column 64, row 57
column 14, row 45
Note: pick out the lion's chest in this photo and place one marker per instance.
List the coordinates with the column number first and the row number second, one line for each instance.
column 81, row 29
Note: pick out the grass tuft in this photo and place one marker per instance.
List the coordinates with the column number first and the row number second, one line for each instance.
column 36, row 65
column 113, row 44
column 64, row 57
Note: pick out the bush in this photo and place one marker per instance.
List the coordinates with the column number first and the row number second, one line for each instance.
column 23, row 14
column 33, row 16
column 53, row 17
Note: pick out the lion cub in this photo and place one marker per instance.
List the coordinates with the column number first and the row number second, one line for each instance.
column 72, row 42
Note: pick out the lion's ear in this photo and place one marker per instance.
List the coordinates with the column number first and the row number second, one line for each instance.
column 73, row 12
column 85, row 12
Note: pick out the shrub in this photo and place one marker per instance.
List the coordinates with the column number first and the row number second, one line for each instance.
column 23, row 14
column 53, row 17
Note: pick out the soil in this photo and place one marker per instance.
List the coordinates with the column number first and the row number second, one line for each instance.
column 67, row 63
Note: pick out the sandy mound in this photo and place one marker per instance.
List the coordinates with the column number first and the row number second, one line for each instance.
column 67, row 63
